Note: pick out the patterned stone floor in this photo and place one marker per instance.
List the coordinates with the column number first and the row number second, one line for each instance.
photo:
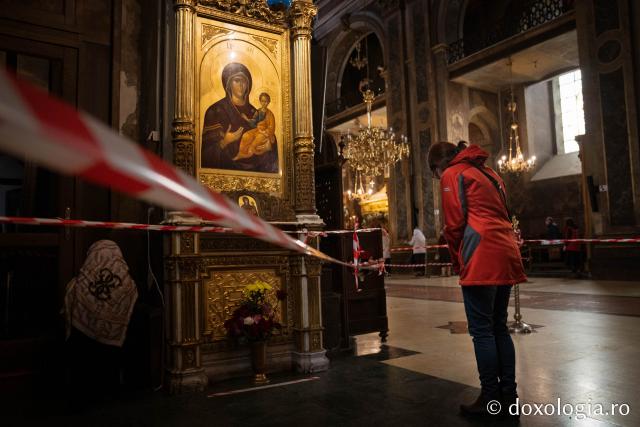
column 607, row 304
column 586, row 351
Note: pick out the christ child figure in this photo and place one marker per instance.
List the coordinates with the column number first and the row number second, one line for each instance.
column 262, row 136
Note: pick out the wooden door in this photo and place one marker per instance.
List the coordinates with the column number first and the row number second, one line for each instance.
column 35, row 262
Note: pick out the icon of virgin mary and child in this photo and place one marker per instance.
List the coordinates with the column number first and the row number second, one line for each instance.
column 235, row 134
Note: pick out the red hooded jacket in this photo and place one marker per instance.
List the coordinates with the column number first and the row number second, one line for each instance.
column 481, row 240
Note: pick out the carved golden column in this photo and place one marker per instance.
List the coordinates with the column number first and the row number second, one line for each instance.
column 302, row 13
column 183, row 287
column 184, row 294
column 183, row 118
column 309, row 355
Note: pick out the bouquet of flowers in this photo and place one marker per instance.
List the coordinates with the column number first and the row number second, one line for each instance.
column 255, row 318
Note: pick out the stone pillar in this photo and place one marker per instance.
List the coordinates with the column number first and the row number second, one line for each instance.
column 183, row 294
column 302, row 13
column 183, row 118
column 440, row 52
column 399, row 190
column 611, row 117
column 421, row 78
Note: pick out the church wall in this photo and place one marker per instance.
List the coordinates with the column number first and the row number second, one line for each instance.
column 101, row 52
column 404, row 30
column 611, row 147
column 98, row 44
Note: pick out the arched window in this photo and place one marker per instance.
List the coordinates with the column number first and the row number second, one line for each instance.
column 362, row 68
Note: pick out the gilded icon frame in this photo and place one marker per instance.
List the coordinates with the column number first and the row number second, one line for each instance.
column 265, row 50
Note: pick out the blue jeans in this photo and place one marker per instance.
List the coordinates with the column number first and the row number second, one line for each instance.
column 486, row 309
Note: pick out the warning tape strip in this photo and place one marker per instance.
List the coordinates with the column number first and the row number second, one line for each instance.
column 53, row 134
column 409, row 248
column 58, row 222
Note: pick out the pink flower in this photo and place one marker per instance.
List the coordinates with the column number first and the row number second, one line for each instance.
column 248, row 320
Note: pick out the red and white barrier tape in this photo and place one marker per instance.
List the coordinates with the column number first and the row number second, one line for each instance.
column 359, row 230
column 563, row 241
column 435, row 264
column 51, row 133
column 539, row 242
column 409, row 248
column 58, row 222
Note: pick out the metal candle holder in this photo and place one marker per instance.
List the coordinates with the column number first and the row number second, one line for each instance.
column 518, row 327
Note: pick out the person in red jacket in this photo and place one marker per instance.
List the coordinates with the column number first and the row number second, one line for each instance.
column 485, row 253
column 573, row 251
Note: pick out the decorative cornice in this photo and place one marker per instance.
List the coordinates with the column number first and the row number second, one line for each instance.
column 270, row 44
column 256, row 9
column 211, row 31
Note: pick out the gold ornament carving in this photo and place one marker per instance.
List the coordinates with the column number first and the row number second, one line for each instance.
column 316, row 341
column 189, row 357
column 235, row 244
column 223, row 292
column 270, row 44
column 229, row 183
column 185, row 4
column 183, row 129
column 270, row 208
column 302, row 14
column 183, row 156
column 256, row 9
column 304, row 144
column 314, row 266
column 305, row 185
column 187, row 245
column 210, row 32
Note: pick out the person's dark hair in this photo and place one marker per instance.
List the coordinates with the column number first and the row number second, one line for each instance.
column 441, row 154
column 570, row 223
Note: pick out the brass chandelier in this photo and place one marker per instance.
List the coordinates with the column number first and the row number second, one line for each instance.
column 359, row 62
column 372, row 151
column 515, row 161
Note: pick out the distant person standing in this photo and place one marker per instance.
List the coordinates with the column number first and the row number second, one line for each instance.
column 386, row 248
column 418, row 250
column 553, row 231
column 573, row 251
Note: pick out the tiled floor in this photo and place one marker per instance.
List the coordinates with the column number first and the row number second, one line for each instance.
column 578, row 355
column 420, row 376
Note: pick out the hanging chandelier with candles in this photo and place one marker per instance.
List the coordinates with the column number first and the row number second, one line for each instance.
column 514, row 162
column 372, row 151
column 359, row 62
